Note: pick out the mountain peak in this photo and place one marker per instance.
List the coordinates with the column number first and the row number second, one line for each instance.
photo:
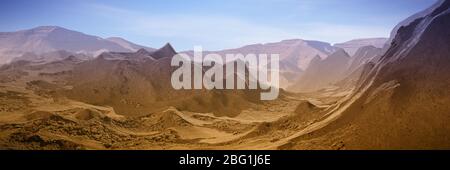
column 165, row 51
column 339, row 53
column 47, row 28
column 168, row 46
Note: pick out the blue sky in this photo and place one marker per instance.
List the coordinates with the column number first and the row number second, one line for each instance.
column 214, row 24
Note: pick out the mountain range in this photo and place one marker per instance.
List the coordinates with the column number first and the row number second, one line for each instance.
column 361, row 94
column 43, row 42
column 46, row 39
column 353, row 45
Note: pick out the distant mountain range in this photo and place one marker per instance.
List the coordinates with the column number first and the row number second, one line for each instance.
column 43, row 43
column 322, row 73
column 296, row 56
column 46, row 39
column 352, row 46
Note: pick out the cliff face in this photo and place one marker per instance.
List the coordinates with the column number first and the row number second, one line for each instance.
column 402, row 103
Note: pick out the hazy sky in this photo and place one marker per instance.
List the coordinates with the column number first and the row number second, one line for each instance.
column 214, row 24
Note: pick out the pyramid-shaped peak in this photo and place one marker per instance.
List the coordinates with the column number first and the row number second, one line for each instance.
column 340, row 53
column 166, row 51
column 167, row 47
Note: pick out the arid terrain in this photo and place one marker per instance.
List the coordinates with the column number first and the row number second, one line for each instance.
column 363, row 94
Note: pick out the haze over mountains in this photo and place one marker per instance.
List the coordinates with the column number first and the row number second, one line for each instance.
column 322, row 73
column 361, row 94
column 52, row 38
column 296, row 55
column 352, row 46
column 34, row 44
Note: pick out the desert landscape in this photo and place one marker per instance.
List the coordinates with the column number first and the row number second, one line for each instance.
column 63, row 89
